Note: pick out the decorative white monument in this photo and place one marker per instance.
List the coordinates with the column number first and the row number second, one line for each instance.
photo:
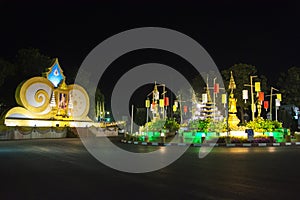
column 47, row 101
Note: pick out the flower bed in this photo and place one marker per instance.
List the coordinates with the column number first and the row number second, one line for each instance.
column 256, row 139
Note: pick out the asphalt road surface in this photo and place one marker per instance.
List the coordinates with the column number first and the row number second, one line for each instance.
column 64, row 169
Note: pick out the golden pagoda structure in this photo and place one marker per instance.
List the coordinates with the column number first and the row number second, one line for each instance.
column 209, row 106
column 233, row 120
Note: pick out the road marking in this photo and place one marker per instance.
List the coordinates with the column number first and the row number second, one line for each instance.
column 181, row 144
column 262, row 144
column 197, row 145
column 246, row 144
column 211, row 144
column 230, row 145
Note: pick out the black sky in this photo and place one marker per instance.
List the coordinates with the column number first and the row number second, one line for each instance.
column 261, row 33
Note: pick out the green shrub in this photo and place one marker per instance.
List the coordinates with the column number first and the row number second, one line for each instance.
column 158, row 125
column 207, row 125
column 262, row 125
column 171, row 125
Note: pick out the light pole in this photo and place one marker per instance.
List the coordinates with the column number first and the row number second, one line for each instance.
column 164, row 96
column 214, row 100
column 252, row 98
column 272, row 88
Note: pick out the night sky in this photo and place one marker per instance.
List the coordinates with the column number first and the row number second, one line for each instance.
column 260, row 33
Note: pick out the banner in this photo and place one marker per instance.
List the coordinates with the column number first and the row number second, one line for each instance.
column 261, row 96
column 204, row 98
column 257, row 86
column 266, row 105
column 216, row 88
column 224, row 98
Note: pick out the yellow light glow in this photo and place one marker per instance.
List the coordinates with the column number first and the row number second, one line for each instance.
column 238, row 150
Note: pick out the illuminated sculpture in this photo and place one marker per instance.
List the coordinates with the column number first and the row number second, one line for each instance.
column 154, row 106
column 48, row 101
column 233, row 120
column 158, row 102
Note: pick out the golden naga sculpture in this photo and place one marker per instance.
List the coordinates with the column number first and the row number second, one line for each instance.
column 233, row 120
column 232, row 104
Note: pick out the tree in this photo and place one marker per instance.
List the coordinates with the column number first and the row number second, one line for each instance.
column 200, row 81
column 7, row 69
column 27, row 63
column 140, row 115
column 241, row 73
column 289, row 86
column 99, row 100
column 31, row 62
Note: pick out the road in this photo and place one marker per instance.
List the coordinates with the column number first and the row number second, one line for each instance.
column 63, row 169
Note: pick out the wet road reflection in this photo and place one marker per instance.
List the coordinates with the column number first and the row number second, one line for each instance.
column 63, row 168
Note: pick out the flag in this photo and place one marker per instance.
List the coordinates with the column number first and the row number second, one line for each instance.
column 166, row 101
column 245, row 94
column 216, row 88
column 224, row 98
column 174, row 108
column 204, row 98
column 147, row 103
column 279, row 97
column 185, row 109
column 161, row 103
column 257, row 86
column 261, row 96
column 266, row 105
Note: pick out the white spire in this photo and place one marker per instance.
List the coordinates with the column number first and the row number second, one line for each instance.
column 53, row 101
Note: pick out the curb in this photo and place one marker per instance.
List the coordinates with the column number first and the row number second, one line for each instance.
column 213, row 145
